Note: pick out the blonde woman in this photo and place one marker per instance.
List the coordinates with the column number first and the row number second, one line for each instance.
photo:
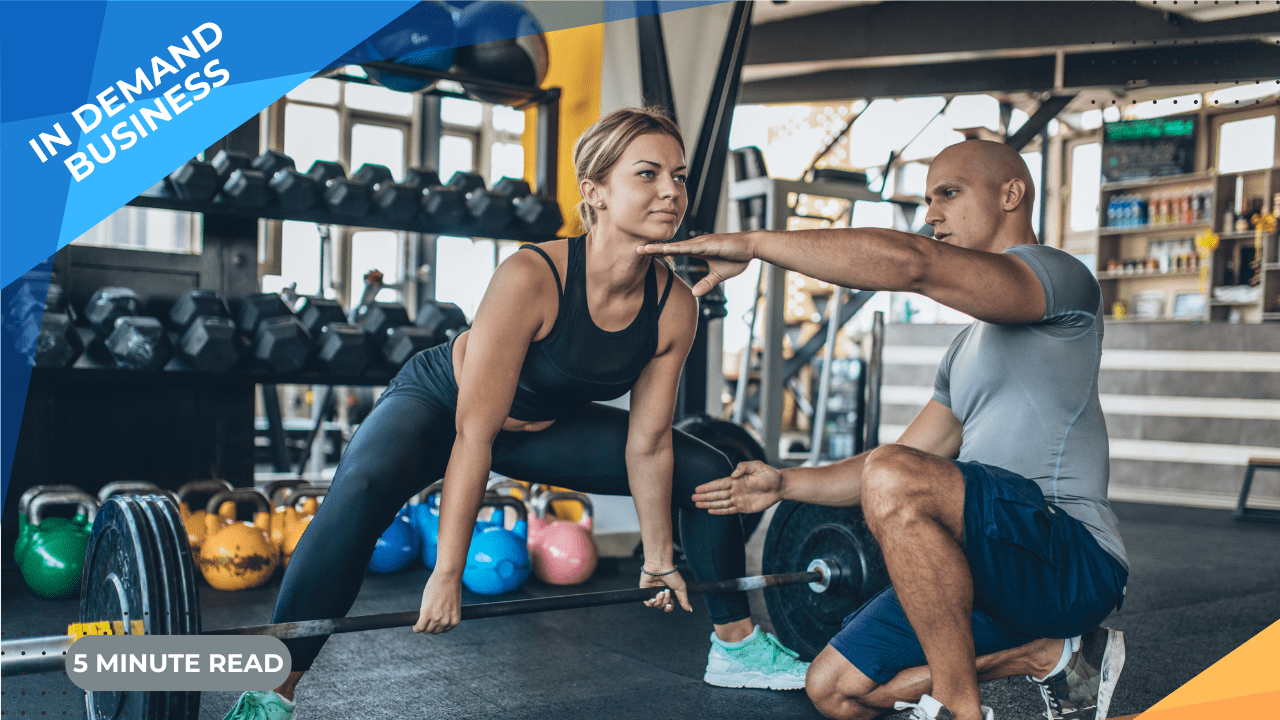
column 562, row 325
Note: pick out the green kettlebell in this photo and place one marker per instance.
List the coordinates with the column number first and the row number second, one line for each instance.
column 25, row 529
column 52, row 559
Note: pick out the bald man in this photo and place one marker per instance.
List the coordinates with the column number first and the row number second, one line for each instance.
column 991, row 509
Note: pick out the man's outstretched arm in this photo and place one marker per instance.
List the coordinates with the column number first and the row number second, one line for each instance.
column 754, row 486
column 995, row 288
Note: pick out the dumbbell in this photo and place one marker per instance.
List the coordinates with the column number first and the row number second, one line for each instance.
column 207, row 336
column 195, row 181
column 342, row 197
column 435, row 323
column 488, row 212
column 139, row 342
column 376, row 320
column 105, row 306
column 438, row 206
column 277, row 336
column 242, row 185
column 398, row 203
column 45, row 331
column 538, row 216
column 291, row 190
column 340, row 346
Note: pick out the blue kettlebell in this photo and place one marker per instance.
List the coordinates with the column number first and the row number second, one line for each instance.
column 498, row 559
column 425, row 516
column 397, row 547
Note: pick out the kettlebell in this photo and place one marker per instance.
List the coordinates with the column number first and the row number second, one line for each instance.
column 193, row 521
column 238, row 556
column 128, row 487
column 561, row 509
column 498, row 559
column 514, row 488
column 397, row 547
column 563, row 552
column 25, row 530
column 275, row 492
column 425, row 516
column 295, row 522
column 52, row 558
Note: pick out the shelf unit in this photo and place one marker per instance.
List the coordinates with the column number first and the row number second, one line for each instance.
column 1223, row 267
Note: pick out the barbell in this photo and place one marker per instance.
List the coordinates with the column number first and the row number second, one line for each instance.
column 139, row 579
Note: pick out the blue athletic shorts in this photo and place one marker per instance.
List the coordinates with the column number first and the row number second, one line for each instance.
column 1037, row 573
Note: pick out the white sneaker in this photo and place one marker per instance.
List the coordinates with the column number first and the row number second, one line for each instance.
column 930, row 709
column 760, row 662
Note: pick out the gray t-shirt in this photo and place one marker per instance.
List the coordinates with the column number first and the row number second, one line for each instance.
column 1027, row 395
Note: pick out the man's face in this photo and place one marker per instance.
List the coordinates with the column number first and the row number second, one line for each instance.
column 964, row 206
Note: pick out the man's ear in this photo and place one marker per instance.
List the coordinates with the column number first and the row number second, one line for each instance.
column 1012, row 194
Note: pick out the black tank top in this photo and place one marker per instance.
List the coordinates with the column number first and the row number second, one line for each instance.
column 577, row 362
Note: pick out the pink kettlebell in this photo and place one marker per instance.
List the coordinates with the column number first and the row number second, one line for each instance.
column 563, row 552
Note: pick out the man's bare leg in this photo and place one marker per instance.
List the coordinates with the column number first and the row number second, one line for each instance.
column 914, row 505
column 840, row 690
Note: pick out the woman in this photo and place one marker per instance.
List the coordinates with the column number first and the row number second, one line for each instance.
column 561, row 325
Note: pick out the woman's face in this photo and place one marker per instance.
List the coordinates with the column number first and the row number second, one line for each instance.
column 644, row 193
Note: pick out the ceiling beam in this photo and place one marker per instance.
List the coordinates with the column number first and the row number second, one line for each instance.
column 1047, row 111
column 1183, row 65
column 906, row 29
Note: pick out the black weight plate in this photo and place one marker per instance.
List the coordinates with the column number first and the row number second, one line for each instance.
column 171, row 704
column 117, row 586
column 158, row 702
column 182, row 584
column 804, row 620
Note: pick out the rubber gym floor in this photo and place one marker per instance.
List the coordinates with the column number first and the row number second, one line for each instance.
column 1201, row 585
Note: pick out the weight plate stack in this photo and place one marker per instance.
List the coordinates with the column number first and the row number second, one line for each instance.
column 181, row 605
column 805, row 621
column 119, row 585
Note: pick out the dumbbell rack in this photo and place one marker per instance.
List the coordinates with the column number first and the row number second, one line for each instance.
column 90, row 425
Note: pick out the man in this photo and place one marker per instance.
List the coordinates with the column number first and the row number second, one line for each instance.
column 991, row 508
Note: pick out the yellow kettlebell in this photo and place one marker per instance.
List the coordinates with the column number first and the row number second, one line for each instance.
column 297, row 522
column 193, row 520
column 570, row 510
column 276, row 492
column 239, row 555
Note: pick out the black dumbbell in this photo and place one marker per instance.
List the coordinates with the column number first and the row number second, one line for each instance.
column 278, row 337
column 58, row 344
column 440, row 206
column 195, row 181
column 538, row 216
column 375, row 319
column 109, row 303
column 489, row 212
column 398, row 203
column 291, row 190
column 342, row 349
column 139, row 342
column 442, row 320
column 404, row 342
column 207, row 337
column 342, row 197
column 282, row 343
column 247, row 188
column 316, row 312
column 229, row 161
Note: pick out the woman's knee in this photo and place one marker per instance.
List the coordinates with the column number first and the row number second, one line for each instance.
column 696, row 463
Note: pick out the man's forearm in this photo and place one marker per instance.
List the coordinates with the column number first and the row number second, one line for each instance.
column 838, row 484
column 862, row 258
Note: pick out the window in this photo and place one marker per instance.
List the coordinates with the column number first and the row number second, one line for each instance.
column 147, row 229
column 375, row 250
column 463, row 269
column 1247, row 144
column 300, row 259
column 457, row 154
column 380, row 145
column 1086, row 185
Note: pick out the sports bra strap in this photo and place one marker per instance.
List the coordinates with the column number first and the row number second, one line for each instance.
column 671, row 276
column 554, row 271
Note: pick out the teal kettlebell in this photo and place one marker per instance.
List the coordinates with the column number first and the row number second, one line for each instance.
column 498, row 559
column 52, row 558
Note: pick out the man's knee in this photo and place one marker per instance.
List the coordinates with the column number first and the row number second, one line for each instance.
column 835, row 686
column 894, row 483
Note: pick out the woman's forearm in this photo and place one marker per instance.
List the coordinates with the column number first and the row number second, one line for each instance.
column 464, row 485
column 649, row 475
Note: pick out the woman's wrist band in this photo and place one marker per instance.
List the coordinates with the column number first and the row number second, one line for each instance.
column 659, row 574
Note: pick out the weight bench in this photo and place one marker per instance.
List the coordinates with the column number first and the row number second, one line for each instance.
column 1243, row 512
